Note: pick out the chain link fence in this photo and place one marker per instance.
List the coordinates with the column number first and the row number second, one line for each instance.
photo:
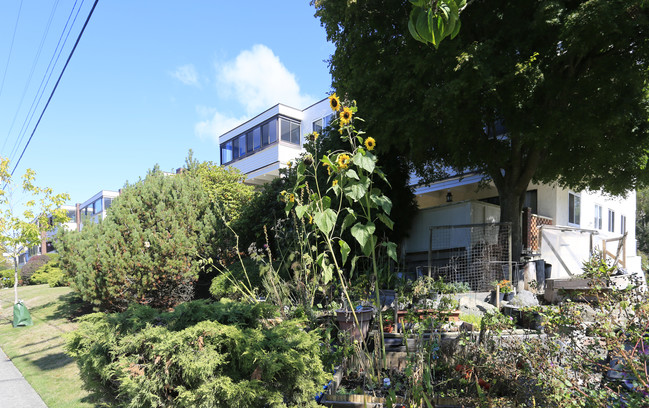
column 477, row 254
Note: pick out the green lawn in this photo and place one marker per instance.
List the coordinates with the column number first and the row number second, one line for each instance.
column 37, row 351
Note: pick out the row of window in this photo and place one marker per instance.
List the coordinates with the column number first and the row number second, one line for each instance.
column 574, row 210
column 611, row 220
column 96, row 207
column 259, row 137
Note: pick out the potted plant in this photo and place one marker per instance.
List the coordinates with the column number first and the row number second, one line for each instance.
column 388, row 322
column 506, row 290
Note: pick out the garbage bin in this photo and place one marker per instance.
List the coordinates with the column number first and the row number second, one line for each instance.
column 540, row 274
column 548, row 271
column 21, row 315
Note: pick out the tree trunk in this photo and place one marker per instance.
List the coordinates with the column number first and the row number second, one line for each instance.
column 511, row 205
column 15, row 279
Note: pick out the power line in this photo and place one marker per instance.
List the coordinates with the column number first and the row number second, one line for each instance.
column 56, row 85
column 31, row 72
column 46, row 78
column 13, row 37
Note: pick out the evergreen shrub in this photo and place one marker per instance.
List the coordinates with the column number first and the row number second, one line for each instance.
column 6, row 278
column 50, row 273
column 32, row 265
column 148, row 248
column 201, row 354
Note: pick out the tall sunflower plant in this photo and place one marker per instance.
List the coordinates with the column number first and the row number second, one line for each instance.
column 351, row 174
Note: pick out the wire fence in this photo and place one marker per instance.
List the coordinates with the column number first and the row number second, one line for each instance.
column 477, row 254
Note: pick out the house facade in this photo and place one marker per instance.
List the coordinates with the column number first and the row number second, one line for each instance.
column 91, row 210
column 272, row 139
column 560, row 224
column 267, row 142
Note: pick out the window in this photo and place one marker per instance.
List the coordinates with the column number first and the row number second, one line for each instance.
column 254, row 139
column 242, row 145
column 226, row 152
column 611, row 221
column 249, row 144
column 72, row 215
column 622, row 224
column 598, row 217
column 98, row 206
column 88, row 210
column 108, row 201
column 235, row 148
column 322, row 123
column 290, row 131
column 574, row 208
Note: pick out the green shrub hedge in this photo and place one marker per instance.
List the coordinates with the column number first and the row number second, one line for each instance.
column 50, row 273
column 31, row 266
column 200, row 355
column 7, row 278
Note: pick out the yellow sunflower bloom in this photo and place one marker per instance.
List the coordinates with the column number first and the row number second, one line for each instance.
column 334, row 183
column 315, row 136
column 291, row 198
column 343, row 160
column 370, row 143
column 346, row 116
column 334, row 102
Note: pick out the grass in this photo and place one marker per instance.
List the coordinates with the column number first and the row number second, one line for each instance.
column 37, row 351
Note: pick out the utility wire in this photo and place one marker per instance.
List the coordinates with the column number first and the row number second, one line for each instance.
column 13, row 37
column 46, row 79
column 56, row 85
column 31, row 72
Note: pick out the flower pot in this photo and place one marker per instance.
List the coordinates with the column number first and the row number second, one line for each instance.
column 508, row 296
column 347, row 323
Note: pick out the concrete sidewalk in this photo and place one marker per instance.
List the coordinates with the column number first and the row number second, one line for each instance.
column 15, row 391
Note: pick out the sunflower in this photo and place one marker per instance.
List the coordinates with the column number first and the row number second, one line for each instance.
column 315, row 136
column 370, row 143
column 346, row 116
column 343, row 160
column 291, row 198
column 334, row 183
column 334, row 102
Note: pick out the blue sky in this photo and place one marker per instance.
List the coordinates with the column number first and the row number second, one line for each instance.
column 148, row 81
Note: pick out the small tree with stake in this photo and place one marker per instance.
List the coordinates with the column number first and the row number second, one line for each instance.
column 25, row 212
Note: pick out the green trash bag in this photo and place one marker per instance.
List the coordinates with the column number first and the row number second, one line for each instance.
column 21, row 315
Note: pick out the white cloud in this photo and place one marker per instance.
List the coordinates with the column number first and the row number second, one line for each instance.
column 256, row 80
column 216, row 125
column 187, row 75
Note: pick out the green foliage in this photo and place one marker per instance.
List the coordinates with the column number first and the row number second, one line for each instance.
column 223, row 285
column 431, row 22
column 33, row 264
column 223, row 185
column 148, row 247
column 6, row 278
column 263, row 210
column 50, row 273
column 642, row 220
column 41, row 212
column 200, row 355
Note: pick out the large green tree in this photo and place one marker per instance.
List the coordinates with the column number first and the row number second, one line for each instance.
column 150, row 247
column 566, row 79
